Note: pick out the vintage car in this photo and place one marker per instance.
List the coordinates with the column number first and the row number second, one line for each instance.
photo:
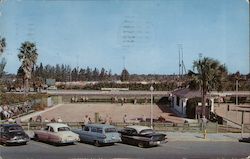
column 246, row 139
column 12, row 134
column 98, row 134
column 141, row 136
column 56, row 133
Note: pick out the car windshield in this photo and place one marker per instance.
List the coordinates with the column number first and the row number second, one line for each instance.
column 64, row 129
column 110, row 130
column 15, row 128
column 146, row 131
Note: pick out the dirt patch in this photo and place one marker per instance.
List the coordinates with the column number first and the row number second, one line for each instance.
column 76, row 112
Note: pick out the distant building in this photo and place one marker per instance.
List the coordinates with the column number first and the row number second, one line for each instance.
column 180, row 98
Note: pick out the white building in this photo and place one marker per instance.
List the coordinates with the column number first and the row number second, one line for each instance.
column 181, row 96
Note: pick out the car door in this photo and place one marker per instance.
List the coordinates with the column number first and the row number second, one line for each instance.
column 127, row 135
column 3, row 135
column 93, row 134
column 85, row 134
column 43, row 134
column 52, row 135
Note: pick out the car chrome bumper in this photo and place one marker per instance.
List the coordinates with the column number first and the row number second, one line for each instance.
column 154, row 143
column 19, row 141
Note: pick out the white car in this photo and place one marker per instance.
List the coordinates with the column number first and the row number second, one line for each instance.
column 56, row 133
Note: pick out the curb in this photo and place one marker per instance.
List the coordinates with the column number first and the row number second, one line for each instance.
column 203, row 140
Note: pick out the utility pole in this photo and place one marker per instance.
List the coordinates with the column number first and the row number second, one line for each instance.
column 237, row 88
column 180, row 59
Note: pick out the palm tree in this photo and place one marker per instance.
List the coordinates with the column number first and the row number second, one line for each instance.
column 209, row 76
column 124, row 75
column 3, row 61
column 28, row 56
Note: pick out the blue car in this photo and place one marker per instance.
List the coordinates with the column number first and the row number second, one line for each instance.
column 98, row 134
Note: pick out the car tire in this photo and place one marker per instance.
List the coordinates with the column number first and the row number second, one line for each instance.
column 36, row 137
column 141, row 145
column 96, row 143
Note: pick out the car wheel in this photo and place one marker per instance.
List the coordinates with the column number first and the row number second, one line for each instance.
column 36, row 137
column 140, row 144
column 97, row 144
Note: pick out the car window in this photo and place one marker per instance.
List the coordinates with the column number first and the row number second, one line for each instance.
column 86, row 128
column 130, row 131
column 99, row 130
column 110, row 130
column 15, row 128
column 64, row 129
column 93, row 129
column 51, row 129
column 133, row 132
column 146, row 131
column 47, row 128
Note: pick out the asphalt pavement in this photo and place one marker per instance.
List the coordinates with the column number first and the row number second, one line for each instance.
column 171, row 149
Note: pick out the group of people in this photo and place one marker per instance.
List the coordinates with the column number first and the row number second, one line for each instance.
column 8, row 111
column 106, row 120
column 76, row 99
column 46, row 120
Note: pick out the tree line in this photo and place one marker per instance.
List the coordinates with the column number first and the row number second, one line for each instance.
column 207, row 74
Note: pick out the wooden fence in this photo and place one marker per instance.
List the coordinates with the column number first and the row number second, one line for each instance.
column 166, row 127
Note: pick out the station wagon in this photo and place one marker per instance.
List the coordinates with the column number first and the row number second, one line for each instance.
column 98, row 134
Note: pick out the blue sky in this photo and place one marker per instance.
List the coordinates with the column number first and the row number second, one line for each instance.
column 140, row 34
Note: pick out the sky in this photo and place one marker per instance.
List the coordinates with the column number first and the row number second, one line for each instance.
column 144, row 36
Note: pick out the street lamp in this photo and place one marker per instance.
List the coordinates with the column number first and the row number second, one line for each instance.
column 151, row 107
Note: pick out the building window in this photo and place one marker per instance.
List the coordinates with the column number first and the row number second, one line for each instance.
column 178, row 101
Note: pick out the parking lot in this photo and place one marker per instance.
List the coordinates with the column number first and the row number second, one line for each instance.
column 172, row 149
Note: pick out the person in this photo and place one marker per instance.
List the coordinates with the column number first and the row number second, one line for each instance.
column 122, row 101
column 204, row 122
column 39, row 118
column 143, row 119
column 46, row 120
column 108, row 120
column 135, row 100
column 53, row 120
column 86, row 120
column 30, row 119
column 90, row 121
column 59, row 120
column 125, row 118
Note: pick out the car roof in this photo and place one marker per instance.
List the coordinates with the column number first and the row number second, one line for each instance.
column 100, row 125
column 57, row 125
column 9, row 125
column 138, row 128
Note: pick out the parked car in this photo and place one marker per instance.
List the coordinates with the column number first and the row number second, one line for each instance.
column 98, row 134
column 141, row 136
column 246, row 139
column 12, row 134
column 57, row 133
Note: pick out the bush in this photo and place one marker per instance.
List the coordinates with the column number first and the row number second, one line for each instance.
column 11, row 98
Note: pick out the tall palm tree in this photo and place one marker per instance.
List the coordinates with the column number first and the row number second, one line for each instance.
column 209, row 76
column 3, row 61
column 28, row 57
